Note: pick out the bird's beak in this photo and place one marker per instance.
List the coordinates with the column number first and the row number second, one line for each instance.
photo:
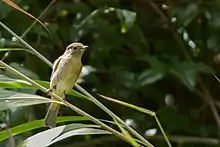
column 85, row 47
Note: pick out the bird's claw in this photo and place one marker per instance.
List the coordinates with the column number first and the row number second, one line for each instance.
column 63, row 100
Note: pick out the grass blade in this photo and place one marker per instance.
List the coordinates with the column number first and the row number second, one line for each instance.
column 143, row 110
column 54, row 135
column 37, row 124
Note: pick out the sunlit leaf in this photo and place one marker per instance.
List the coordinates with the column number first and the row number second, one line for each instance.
column 140, row 109
column 127, row 134
column 54, row 135
column 37, row 124
column 9, row 99
column 6, row 82
column 127, row 19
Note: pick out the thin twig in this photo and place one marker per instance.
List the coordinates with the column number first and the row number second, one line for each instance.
column 164, row 134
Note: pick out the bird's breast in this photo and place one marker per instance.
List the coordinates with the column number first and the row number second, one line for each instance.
column 68, row 74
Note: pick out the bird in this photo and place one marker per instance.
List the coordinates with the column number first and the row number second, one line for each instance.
column 66, row 70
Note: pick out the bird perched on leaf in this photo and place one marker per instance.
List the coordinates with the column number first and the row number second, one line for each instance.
column 66, row 70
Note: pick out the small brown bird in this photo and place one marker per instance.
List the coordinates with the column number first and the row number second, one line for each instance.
column 66, row 70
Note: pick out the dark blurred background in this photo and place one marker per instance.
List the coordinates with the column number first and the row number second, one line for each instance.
column 156, row 54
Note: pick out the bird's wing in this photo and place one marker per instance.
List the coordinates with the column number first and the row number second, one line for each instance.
column 55, row 64
column 53, row 78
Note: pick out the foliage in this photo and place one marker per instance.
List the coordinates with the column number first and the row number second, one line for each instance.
column 159, row 55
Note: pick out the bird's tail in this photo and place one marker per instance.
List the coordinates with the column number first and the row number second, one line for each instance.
column 50, row 118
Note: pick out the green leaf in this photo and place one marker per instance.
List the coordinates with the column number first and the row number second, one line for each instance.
column 81, row 131
column 127, row 134
column 143, row 110
column 59, row 133
column 127, row 19
column 215, row 21
column 14, row 49
column 202, row 68
column 150, row 76
column 37, row 124
column 157, row 71
column 5, row 9
column 123, row 29
column 186, row 14
column 186, row 76
column 140, row 109
column 187, row 73
column 6, row 82
column 23, row 70
column 9, row 99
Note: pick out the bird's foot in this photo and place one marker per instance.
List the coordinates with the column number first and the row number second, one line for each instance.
column 63, row 100
column 48, row 91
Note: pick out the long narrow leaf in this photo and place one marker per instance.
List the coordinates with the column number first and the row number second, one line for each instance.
column 15, row 49
column 128, row 105
column 38, row 124
column 6, row 82
column 143, row 110
column 15, row 6
column 10, row 99
column 54, row 135
column 88, row 95
column 127, row 135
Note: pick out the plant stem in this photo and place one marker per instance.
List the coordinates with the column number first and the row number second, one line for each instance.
column 79, row 111
column 31, row 26
column 39, row 17
column 27, row 45
column 164, row 134
column 93, row 99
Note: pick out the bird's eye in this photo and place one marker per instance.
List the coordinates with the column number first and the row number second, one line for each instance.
column 74, row 48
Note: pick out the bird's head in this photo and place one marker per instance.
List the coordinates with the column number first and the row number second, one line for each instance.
column 76, row 48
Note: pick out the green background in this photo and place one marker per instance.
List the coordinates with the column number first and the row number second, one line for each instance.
column 159, row 55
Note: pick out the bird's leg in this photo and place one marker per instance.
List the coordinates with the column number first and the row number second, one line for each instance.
column 63, row 98
column 49, row 91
